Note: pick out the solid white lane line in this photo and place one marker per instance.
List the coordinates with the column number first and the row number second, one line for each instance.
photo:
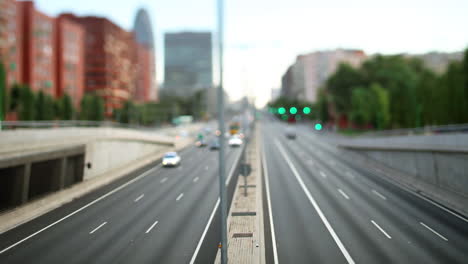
column 323, row 174
column 95, row 229
column 327, row 224
column 439, row 206
column 196, row 179
column 197, row 249
column 180, row 196
column 270, row 214
column 433, row 231
column 163, row 180
column 82, row 208
column 344, row 194
column 151, row 227
column 379, row 195
column 139, row 197
column 381, row 229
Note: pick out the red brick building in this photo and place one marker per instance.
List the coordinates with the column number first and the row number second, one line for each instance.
column 69, row 53
column 10, row 39
column 109, row 61
column 144, row 67
column 38, row 44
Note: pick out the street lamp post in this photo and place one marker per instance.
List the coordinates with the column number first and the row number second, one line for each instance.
column 222, row 176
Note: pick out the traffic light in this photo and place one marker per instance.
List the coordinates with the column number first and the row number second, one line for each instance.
column 284, row 117
column 318, row 127
column 306, row 110
column 298, row 117
column 293, row 110
column 281, row 110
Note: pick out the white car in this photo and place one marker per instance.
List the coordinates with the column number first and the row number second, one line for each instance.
column 235, row 141
column 171, row 159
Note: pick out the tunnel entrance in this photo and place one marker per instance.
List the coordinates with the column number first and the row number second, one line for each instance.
column 44, row 178
column 10, row 186
column 74, row 171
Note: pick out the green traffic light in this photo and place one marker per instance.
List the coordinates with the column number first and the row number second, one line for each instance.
column 293, row 110
column 298, row 117
column 306, row 110
column 284, row 117
column 281, row 110
column 318, row 127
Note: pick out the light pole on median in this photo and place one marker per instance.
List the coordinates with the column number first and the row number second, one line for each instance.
column 222, row 175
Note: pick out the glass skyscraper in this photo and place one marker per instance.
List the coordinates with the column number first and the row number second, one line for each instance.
column 188, row 62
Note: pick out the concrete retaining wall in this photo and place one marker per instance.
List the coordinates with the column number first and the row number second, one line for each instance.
column 435, row 165
column 104, row 155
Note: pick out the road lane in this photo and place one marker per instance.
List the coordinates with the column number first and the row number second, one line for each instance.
column 353, row 218
column 127, row 221
column 300, row 233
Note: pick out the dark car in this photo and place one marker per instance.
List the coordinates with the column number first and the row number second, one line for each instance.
column 291, row 133
column 214, row 144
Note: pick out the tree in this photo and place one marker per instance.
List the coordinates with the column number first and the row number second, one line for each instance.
column 26, row 103
column 381, row 107
column 97, row 108
column 92, row 108
column 399, row 78
column 339, row 86
column 85, row 107
column 456, row 105
column 66, row 108
column 3, row 93
column 127, row 113
column 45, row 105
column 15, row 97
column 322, row 106
column 362, row 106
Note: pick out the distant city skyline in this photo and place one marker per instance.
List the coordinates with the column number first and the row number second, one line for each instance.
column 261, row 47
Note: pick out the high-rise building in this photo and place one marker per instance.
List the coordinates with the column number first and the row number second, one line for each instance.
column 70, row 59
column 109, row 65
column 146, row 88
column 38, row 44
column 10, row 40
column 310, row 71
column 188, row 63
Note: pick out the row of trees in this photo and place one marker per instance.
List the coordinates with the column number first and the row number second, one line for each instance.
column 169, row 107
column 30, row 105
column 396, row 92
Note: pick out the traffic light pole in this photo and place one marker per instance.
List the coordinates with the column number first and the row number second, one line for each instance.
column 222, row 174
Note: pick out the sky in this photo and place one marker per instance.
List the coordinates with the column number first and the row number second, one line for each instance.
column 263, row 37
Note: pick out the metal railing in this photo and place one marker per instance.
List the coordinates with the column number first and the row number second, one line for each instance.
column 11, row 125
column 427, row 130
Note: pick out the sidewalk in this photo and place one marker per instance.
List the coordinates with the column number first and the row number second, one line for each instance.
column 245, row 220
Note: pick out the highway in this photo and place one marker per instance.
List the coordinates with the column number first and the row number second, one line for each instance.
column 157, row 216
column 326, row 209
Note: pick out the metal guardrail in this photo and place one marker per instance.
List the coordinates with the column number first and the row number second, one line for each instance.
column 427, row 130
column 11, row 125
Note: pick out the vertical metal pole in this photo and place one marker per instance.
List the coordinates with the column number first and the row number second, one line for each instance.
column 222, row 176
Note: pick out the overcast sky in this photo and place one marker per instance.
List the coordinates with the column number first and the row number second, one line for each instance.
column 263, row 37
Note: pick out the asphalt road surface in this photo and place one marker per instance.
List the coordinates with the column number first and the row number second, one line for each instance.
column 157, row 216
column 325, row 209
